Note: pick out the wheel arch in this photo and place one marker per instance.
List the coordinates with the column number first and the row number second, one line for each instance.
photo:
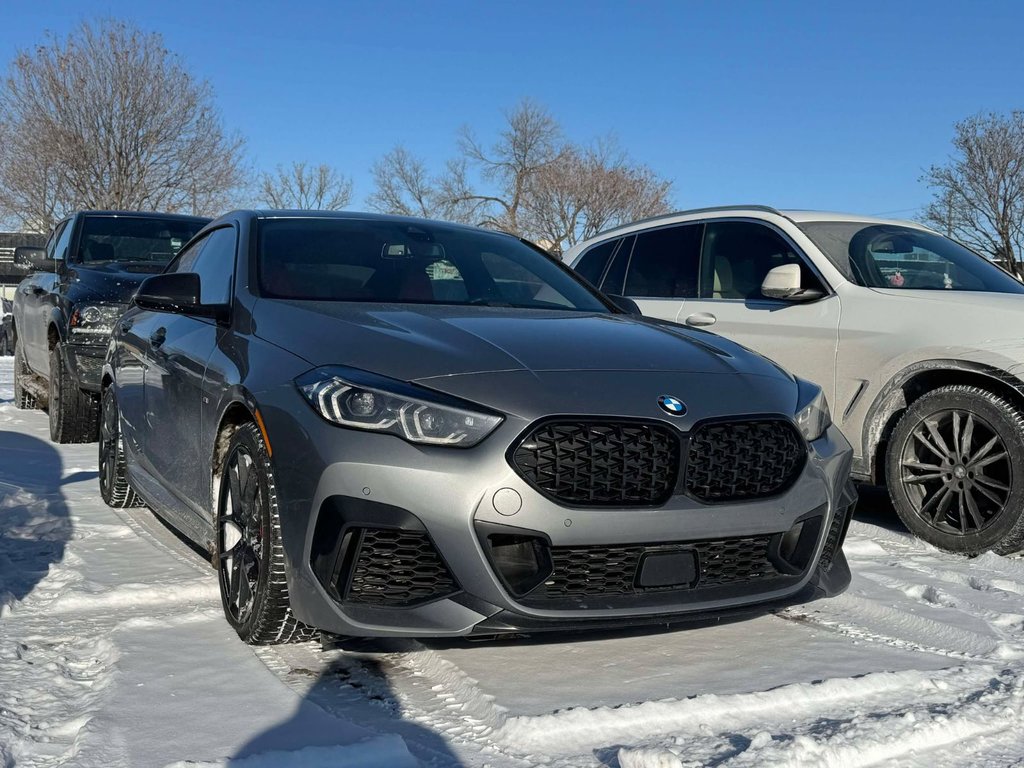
column 914, row 381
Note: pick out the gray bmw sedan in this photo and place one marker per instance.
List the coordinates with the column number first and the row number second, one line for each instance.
column 389, row 426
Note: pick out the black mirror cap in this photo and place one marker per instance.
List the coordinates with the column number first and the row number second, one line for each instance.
column 33, row 258
column 179, row 293
column 626, row 304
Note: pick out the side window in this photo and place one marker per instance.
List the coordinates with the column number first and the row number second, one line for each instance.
column 184, row 261
column 617, row 271
column 215, row 265
column 738, row 254
column 665, row 263
column 592, row 265
column 60, row 248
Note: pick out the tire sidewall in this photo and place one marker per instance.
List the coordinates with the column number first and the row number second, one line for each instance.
column 108, row 401
column 1006, row 529
column 56, row 400
column 247, row 437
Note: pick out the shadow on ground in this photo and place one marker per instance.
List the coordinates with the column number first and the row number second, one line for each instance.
column 34, row 521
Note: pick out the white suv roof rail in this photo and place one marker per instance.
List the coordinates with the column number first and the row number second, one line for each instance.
column 711, row 209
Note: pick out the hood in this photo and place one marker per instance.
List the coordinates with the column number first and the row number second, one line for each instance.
column 109, row 282
column 419, row 342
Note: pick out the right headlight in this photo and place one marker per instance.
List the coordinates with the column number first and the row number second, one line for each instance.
column 812, row 416
column 362, row 400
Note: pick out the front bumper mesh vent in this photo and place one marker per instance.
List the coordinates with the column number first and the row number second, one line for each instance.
column 600, row 463
column 589, row 571
column 397, row 568
column 736, row 460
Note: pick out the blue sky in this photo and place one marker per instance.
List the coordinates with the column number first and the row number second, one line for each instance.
column 796, row 104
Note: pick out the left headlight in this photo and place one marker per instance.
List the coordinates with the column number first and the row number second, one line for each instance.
column 361, row 400
column 812, row 416
column 95, row 320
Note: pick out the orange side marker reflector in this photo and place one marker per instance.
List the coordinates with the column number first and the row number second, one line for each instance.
column 263, row 431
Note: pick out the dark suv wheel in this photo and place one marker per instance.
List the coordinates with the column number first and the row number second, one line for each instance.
column 115, row 489
column 250, row 557
column 955, row 468
column 74, row 414
column 22, row 397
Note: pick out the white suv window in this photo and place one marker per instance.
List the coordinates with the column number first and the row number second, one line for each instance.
column 664, row 263
column 737, row 255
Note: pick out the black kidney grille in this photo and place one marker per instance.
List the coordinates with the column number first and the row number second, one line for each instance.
column 730, row 461
column 600, row 463
column 612, row 570
column 393, row 567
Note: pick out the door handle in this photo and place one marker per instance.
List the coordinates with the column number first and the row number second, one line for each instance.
column 158, row 337
column 701, row 318
column 33, row 290
column 126, row 325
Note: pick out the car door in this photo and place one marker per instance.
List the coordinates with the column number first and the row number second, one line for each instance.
column 178, row 349
column 657, row 268
column 37, row 299
column 802, row 337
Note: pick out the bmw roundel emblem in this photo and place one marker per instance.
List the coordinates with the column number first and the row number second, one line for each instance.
column 673, row 406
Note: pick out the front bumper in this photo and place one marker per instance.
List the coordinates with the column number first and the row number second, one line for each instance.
column 344, row 494
column 85, row 363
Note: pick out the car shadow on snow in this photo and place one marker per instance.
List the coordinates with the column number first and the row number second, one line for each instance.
column 34, row 521
column 354, row 687
column 875, row 507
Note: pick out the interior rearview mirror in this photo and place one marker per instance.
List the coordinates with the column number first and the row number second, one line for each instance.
column 783, row 283
column 33, row 258
column 179, row 293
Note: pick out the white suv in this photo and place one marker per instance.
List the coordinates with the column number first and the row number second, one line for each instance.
column 917, row 342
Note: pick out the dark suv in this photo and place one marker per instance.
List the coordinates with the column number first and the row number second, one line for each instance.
column 66, row 308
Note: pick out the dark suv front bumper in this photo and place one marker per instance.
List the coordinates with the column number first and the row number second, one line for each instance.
column 85, row 364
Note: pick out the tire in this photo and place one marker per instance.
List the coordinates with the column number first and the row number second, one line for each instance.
column 955, row 470
column 115, row 489
column 74, row 414
column 22, row 397
column 5, row 344
column 249, row 554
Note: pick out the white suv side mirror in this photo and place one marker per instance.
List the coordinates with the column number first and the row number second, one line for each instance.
column 783, row 282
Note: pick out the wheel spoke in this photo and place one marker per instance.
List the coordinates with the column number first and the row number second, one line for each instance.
column 984, row 450
column 933, row 430
column 936, row 498
column 955, row 453
column 968, row 436
column 982, row 479
column 990, row 459
column 961, row 513
column 923, row 438
column 234, row 489
column 988, row 494
column 918, row 479
column 922, row 466
column 972, row 509
column 233, row 580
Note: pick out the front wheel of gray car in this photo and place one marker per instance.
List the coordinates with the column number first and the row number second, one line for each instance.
column 249, row 555
column 115, row 489
column 955, row 468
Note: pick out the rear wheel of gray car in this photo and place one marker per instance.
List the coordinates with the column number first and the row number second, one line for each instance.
column 22, row 397
column 74, row 414
column 955, row 468
column 115, row 489
column 250, row 556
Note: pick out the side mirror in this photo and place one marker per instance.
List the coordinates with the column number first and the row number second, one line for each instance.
column 30, row 257
column 179, row 293
column 625, row 304
column 783, row 283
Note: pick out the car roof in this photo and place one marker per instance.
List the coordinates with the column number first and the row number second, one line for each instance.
column 359, row 215
column 147, row 215
column 800, row 216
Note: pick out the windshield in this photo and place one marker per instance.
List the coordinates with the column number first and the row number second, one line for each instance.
column 893, row 256
column 420, row 263
column 129, row 238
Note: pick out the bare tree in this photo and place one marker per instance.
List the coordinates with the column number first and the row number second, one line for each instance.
column 109, row 118
column 530, row 181
column 588, row 190
column 320, row 188
column 979, row 193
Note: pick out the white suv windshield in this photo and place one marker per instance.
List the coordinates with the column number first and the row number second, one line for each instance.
column 892, row 256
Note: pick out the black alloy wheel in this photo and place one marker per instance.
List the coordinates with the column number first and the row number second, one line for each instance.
column 249, row 555
column 956, row 470
column 115, row 489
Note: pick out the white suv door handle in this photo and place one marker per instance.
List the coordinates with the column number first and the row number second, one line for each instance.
column 701, row 318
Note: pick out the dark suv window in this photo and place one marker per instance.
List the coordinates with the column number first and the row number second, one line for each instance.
column 665, row 262
column 592, row 265
column 738, row 254
column 133, row 239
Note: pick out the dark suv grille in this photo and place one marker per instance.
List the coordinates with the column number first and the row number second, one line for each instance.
column 600, row 463
column 612, row 570
column 393, row 567
column 730, row 461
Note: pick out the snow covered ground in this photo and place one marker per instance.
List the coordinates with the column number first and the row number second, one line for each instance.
column 113, row 652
